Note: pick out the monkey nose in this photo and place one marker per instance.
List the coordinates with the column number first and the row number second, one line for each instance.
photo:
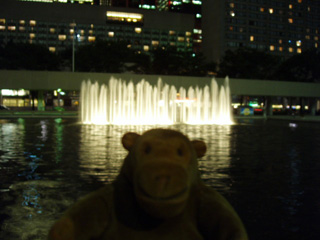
column 161, row 183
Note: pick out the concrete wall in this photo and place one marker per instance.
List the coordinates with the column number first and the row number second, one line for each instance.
column 213, row 29
column 44, row 80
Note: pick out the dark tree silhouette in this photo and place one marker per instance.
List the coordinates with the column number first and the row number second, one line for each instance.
column 27, row 56
column 248, row 63
column 170, row 61
column 103, row 56
column 304, row 67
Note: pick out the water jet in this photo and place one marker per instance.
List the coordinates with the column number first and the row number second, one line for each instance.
column 125, row 103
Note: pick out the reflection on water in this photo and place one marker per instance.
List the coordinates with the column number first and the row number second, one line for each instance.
column 268, row 171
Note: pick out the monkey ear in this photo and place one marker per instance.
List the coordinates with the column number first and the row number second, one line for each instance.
column 129, row 139
column 200, row 147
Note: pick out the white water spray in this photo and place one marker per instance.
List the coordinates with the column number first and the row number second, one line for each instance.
column 124, row 103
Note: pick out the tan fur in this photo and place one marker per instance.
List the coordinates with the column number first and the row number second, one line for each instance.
column 157, row 195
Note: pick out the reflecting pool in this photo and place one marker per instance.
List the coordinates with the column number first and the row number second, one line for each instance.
column 268, row 170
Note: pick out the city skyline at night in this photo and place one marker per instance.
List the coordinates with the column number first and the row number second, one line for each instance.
column 284, row 28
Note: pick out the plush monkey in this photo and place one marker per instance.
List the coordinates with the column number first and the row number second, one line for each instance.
column 158, row 194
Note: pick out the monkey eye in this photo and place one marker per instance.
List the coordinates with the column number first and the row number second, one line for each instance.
column 180, row 152
column 147, row 149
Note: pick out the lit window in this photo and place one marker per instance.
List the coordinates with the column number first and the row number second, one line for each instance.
column 290, row 6
column 198, row 15
column 280, row 49
column 124, row 17
column 92, row 26
column 82, row 32
column 316, row 38
column 110, row 34
column 299, row 50
column 12, row 28
column 181, row 39
column 91, row 38
column 197, row 31
column 290, row 49
column 2, row 28
column 2, row 21
column 73, row 25
column 299, row 1
column 22, row 29
column 172, row 44
column 32, row 35
column 308, row 37
column 298, row 43
column 232, row 13
column 52, row 30
column 138, row 30
column 171, row 32
column 232, row 5
column 290, row 20
column 22, row 22
column 32, row 23
column 146, row 48
column 71, row 31
column 62, row 37
column 155, row 43
column 316, row 45
column 309, row 9
column 90, row 32
column 52, row 49
column 251, row 38
column 129, row 46
column 261, row 9
column 188, row 34
column 272, row 48
column 270, row 10
column 280, row 41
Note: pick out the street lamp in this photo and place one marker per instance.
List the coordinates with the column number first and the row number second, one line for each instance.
column 73, row 45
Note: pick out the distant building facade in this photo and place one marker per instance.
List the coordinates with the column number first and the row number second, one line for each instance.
column 59, row 26
column 282, row 27
column 179, row 6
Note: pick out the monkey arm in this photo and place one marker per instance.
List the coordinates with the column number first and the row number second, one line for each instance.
column 217, row 219
column 86, row 219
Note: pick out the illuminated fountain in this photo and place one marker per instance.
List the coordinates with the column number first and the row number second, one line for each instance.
column 125, row 103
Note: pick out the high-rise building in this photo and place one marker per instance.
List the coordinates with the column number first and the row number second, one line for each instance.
column 179, row 6
column 282, row 27
column 60, row 26
column 62, row 1
column 186, row 6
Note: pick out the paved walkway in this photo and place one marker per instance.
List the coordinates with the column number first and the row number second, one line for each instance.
column 38, row 114
column 298, row 118
column 75, row 114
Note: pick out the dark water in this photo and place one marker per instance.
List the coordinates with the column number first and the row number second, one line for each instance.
column 268, row 170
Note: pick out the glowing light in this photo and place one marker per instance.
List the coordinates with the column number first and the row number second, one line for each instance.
column 11, row 92
column 124, row 16
column 277, row 106
column 293, row 125
column 122, row 103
